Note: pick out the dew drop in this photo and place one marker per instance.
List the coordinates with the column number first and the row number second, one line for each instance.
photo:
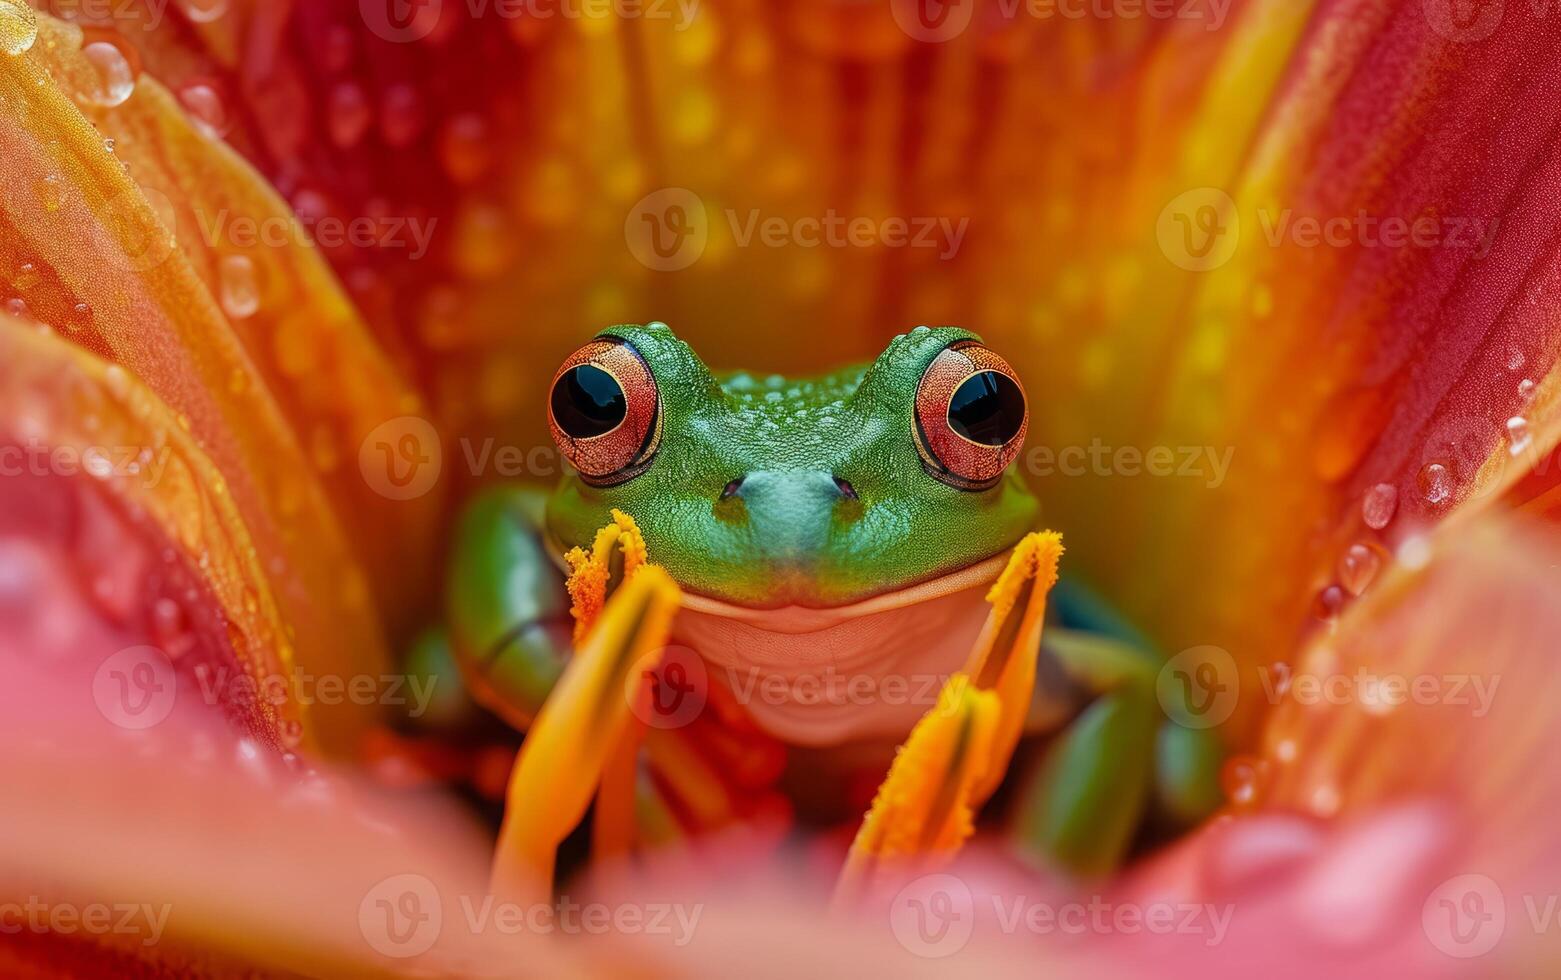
column 51, row 192
column 203, row 11
column 240, row 296
column 18, row 26
column 1414, row 553
column 348, row 114
column 206, row 109
column 115, row 78
column 1378, row 506
column 1525, row 389
column 1357, row 567
column 401, row 115
column 464, row 149
column 108, row 144
column 1436, row 484
column 1518, row 438
column 16, row 306
column 1329, row 603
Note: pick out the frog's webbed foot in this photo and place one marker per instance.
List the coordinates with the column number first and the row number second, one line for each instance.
column 1120, row 761
column 958, row 752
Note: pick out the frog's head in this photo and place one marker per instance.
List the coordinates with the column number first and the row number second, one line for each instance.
column 768, row 492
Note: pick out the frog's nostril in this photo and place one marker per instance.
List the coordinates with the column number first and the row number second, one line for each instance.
column 846, row 489
column 731, row 490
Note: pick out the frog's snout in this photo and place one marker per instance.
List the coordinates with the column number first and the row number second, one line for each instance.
column 791, row 512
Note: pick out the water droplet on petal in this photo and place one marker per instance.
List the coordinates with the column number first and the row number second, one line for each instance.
column 1329, row 603
column 204, row 11
column 18, row 26
column 1414, row 553
column 108, row 144
column 1378, row 506
column 115, row 78
column 1436, row 484
column 1517, row 435
column 1358, row 566
column 464, row 148
column 240, row 297
column 1526, row 389
column 206, row 109
column 348, row 114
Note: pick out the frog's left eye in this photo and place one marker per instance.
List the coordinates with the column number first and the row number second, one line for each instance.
column 971, row 416
column 605, row 412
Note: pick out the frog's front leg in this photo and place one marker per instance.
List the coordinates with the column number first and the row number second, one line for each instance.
column 508, row 609
column 1120, row 759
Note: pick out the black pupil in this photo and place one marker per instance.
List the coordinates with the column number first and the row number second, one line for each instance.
column 588, row 401
column 988, row 409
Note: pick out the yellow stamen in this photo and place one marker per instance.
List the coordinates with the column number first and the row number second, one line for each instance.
column 582, row 723
column 958, row 752
column 590, row 575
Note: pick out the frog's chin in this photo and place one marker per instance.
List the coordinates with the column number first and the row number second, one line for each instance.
column 796, row 618
column 823, row 676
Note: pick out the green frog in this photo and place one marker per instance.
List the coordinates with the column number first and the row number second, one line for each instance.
column 834, row 538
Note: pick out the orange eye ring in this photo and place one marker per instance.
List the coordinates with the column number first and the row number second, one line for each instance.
column 971, row 416
column 604, row 411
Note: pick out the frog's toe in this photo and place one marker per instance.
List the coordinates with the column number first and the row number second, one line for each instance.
column 1084, row 804
column 1187, row 775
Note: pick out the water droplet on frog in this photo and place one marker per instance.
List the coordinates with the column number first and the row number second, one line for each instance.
column 1518, row 438
column 1357, row 567
column 239, row 295
column 1436, row 484
column 115, row 79
column 1378, row 506
column 18, row 26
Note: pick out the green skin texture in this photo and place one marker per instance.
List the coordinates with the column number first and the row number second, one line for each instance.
column 790, row 538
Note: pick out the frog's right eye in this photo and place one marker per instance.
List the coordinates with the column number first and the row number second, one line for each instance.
column 605, row 412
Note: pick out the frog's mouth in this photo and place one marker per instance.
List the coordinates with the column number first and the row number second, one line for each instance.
column 811, row 619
